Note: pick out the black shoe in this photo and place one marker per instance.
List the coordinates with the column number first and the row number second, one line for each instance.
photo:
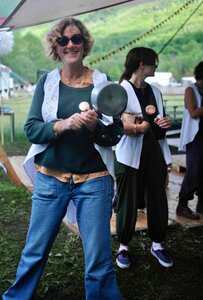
column 186, row 212
column 199, row 207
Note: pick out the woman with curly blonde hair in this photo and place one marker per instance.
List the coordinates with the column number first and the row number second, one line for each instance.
column 70, row 160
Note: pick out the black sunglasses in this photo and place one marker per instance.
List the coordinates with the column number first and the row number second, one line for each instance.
column 153, row 65
column 76, row 39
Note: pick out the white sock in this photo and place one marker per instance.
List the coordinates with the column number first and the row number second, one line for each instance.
column 122, row 247
column 157, row 246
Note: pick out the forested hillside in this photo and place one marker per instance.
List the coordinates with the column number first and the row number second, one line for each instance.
column 116, row 31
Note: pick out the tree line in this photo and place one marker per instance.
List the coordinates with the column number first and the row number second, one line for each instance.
column 112, row 29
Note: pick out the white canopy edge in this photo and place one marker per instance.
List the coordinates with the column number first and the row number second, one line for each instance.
column 34, row 12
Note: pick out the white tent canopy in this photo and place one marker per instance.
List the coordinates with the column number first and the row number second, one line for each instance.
column 33, row 12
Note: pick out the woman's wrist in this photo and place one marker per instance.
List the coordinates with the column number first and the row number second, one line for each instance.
column 134, row 129
column 56, row 133
column 58, row 129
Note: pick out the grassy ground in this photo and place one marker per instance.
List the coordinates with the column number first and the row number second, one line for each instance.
column 20, row 105
column 63, row 276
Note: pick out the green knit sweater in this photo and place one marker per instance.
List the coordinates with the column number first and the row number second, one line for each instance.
column 74, row 150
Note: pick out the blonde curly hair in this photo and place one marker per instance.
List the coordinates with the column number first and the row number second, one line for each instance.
column 57, row 31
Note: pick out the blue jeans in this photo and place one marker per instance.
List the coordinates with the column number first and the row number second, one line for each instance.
column 93, row 200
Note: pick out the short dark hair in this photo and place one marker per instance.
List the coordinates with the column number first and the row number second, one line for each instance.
column 198, row 71
column 57, row 31
column 136, row 55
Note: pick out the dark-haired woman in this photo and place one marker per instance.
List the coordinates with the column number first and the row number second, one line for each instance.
column 142, row 156
column 191, row 141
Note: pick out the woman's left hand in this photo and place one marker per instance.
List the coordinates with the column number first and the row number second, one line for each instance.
column 163, row 122
column 89, row 118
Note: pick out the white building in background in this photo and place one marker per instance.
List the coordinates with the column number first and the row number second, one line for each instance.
column 6, row 82
column 188, row 80
column 162, row 79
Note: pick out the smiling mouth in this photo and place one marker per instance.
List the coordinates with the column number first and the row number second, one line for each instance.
column 71, row 52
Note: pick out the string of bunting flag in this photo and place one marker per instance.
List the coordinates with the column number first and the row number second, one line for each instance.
column 181, row 26
column 115, row 51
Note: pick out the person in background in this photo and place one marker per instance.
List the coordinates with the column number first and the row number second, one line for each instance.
column 142, row 156
column 191, row 141
column 72, row 152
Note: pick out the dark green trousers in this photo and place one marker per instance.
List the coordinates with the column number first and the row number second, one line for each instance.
column 149, row 182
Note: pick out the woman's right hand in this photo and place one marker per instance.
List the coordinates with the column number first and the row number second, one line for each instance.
column 133, row 129
column 74, row 122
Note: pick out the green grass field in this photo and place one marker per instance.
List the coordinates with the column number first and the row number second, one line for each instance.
column 63, row 277
column 20, row 105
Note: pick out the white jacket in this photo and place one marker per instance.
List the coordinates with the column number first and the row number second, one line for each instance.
column 49, row 114
column 128, row 150
column 190, row 126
